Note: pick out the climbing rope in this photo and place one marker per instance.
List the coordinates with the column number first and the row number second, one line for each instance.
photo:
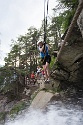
column 74, row 20
column 45, row 21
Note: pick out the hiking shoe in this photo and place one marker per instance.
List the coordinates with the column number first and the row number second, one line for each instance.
column 45, row 80
column 48, row 80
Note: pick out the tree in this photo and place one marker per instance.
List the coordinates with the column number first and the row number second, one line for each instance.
column 22, row 56
column 66, row 10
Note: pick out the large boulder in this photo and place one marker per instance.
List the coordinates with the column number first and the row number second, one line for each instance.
column 70, row 66
column 70, row 63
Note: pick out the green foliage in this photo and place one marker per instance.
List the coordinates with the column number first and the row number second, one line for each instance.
column 70, row 3
column 2, row 115
column 23, row 51
column 52, row 62
column 66, row 10
column 18, row 107
column 67, row 17
column 4, row 73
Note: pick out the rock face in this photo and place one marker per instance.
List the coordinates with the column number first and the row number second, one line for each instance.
column 70, row 65
column 80, row 22
column 41, row 100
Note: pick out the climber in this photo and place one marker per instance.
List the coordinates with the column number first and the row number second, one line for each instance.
column 33, row 78
column 38, row 72
column 45, row 58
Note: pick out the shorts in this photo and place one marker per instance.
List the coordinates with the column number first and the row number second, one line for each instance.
column 46, row 59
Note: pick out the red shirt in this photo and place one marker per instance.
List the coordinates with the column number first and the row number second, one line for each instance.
column 43, row 72
column 32, row 75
